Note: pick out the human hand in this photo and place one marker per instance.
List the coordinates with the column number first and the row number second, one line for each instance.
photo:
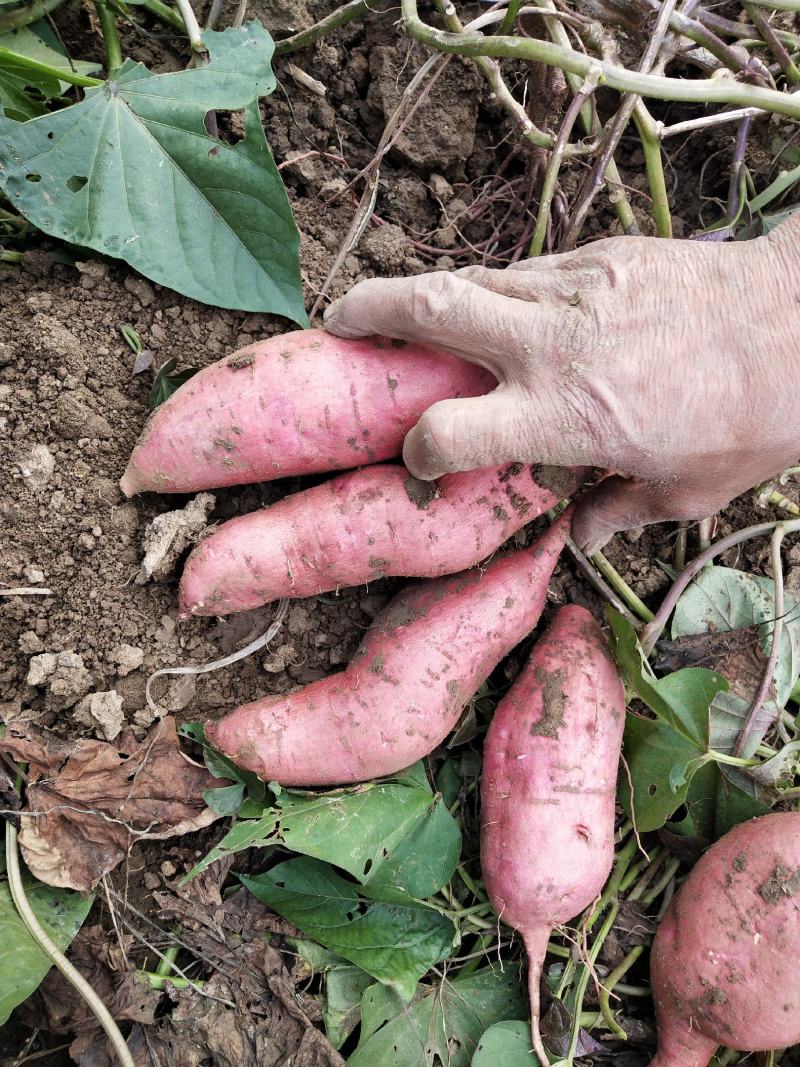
column 673, row 364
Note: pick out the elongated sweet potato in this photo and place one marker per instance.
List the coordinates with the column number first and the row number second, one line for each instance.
column 419, row 664
column 725, row 963
column 296, row 404
column 549, row 775
column 361, row 526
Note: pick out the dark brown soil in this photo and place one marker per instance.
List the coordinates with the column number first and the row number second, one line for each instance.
column 70, row 408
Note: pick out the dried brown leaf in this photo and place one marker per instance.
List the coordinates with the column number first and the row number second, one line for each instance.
column 89, row 802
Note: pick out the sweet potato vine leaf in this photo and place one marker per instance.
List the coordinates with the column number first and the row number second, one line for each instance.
column 394, row 836
column 395, row 943
column 131, row 172
column 444, row 1023
column 24, row 93
column 668, row 757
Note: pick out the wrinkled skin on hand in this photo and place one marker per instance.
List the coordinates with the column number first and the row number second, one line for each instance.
column 674, row 364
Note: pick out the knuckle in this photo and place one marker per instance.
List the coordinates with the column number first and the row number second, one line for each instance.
column 438, row 434
column 433, row 298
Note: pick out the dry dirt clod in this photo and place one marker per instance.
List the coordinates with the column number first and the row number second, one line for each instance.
column 64, row 676
column 37, row 466
column 102, row 712
column 169, row 534
column 126, row 658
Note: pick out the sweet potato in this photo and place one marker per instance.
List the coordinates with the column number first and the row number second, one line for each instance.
column 549, row 774
column 416, row 669
column 361, row 526
column 725, row 963
column 296, row 404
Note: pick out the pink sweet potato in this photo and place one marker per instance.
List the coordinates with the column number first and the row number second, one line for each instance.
column 549, row 775
column 297, row 404
column 405, row 688
column 725, row 963
column 361, row 526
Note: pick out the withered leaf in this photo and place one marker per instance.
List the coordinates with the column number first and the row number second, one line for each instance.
column 103, row 962
column 88, row 802
column 250, row 1012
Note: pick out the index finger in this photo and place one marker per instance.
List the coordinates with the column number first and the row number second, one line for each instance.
column 444, row 310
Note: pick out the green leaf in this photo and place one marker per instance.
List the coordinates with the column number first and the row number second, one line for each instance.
column 341, row 1006
column 651, row 750
column 394, row 834
column 249, row 833
column 677, row 699
column 23, row 965
column 506, row 1044
column 318, row 958
column 130, row 171
column 395, row 837
column 166, row 382
column 225, row 799
column 395, row 943
column 23, row 92
column 445, row 1020
column 722, row 599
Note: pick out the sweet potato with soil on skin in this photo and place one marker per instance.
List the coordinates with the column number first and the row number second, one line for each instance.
column 362, row 526
column 418, row 666
column 550, row 764
column 725, row 963
column 301, row 403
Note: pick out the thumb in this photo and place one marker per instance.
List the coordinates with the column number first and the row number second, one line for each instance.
column 622, row 504
column 505, row 426
column 462, row 435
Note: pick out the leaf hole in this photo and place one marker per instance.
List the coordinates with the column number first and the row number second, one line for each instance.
column 32, row 177
column 226, row 126
column 651, row 789
column 76, row 183
column 215, row 151
column 51, row 136
column 368, row 866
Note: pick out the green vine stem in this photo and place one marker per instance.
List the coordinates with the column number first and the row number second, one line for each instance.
column 338, row 18
column 607, row 987
column 55, row 955
column 24, row 16
column 9, row 256
column 510, row 17
column 615, row 128
column 63, row 74
column 164, row 13
column 560, row 38
column 159, row 982
column 719, row 90
column 583, row 980
column 619, row 585
column 647, row 128
column 113, row 45
column 490, row 70
column 193, row 31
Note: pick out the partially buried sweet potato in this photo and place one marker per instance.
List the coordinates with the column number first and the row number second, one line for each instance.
column 725, row 963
